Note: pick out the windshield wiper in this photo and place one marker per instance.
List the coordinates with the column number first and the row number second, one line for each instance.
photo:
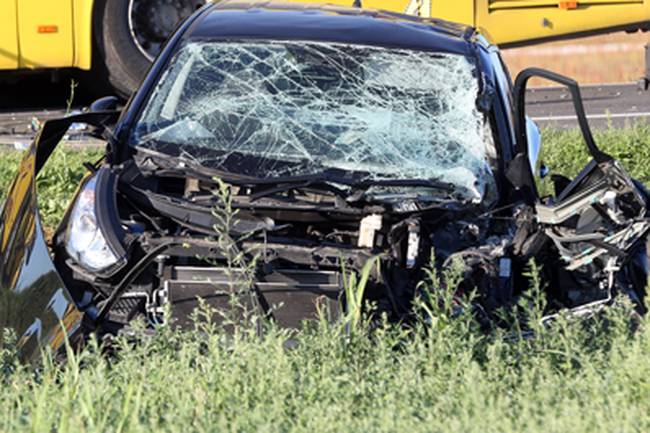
column 314, row 184
column 360, row 190
column 322, row 181
column 425, row 183
column 326, row 180
column 157, row 163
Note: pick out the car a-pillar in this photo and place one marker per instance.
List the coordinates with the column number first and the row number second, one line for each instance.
column 128, row 35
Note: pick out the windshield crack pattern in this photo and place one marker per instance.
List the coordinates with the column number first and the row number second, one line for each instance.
column 290, row 108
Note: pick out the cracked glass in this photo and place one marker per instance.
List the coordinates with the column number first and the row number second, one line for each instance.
column 272, row 109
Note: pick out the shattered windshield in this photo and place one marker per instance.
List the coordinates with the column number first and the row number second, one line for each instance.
column 271, row 109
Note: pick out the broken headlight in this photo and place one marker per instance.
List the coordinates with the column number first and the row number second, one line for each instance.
column 85, row 241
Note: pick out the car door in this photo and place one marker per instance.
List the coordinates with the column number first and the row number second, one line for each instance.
column 598, row 221
column 8, row 35
column 34, row 301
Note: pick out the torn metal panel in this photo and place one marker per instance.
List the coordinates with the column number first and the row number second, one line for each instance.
column 600, row 219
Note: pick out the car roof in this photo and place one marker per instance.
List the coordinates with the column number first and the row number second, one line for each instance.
column 265, row 20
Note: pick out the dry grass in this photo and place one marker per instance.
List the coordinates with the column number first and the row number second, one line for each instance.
column 613, row 58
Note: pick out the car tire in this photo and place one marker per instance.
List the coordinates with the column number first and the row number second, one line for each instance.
column 118, row 61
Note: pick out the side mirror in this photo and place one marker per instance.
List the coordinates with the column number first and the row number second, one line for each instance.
column 107, row 103
column 534, row 143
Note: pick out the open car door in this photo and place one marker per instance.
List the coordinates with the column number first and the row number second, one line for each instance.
column 599, row 221
column 34, row 301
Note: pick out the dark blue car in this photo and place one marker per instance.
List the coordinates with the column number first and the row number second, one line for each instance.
column 274, row 150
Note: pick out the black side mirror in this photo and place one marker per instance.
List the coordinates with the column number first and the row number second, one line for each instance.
column 107, row 103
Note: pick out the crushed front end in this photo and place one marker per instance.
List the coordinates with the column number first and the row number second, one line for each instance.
column 259, row 176
column 289, row 165
column 262, row 174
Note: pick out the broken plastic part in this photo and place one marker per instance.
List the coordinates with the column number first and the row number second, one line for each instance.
column 413, row 244
column 505, row 267
column 291, row 108
column 596, row 224
column 368, row 228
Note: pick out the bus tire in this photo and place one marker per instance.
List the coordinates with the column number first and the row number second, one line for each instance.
column 118, row 61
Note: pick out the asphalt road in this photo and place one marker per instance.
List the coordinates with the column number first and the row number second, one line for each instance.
column 615, row 104
column 24, row 105
column 33, row 100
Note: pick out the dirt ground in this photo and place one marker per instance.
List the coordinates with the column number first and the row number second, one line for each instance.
column 613, row 58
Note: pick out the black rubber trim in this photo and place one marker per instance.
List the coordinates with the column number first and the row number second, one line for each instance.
column 520, row 109
column 131, row 275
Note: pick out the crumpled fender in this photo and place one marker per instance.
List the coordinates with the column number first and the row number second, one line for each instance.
column 34, row 301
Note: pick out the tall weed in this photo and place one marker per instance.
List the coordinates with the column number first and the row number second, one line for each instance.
column 444, row 374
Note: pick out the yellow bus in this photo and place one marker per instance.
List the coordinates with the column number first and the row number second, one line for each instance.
column 117, row 39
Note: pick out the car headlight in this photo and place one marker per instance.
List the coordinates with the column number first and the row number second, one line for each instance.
column 85, row 242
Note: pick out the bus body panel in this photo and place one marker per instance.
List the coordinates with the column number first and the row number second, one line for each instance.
column 39, row 34
column 520, row 22
column 45, row 34
column 8, row 35
column 526, row 21
column 83, row 33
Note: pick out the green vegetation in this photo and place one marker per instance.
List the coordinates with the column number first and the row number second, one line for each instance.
column 57, row 182
column 564, row 152
column 576, row 376
column 445, row 375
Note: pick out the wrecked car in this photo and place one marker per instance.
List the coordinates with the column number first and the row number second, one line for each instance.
column 342, row 135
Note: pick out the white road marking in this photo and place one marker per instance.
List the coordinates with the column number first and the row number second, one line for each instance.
column 593, row 116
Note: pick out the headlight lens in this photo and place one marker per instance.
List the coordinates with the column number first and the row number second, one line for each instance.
column 85, row 242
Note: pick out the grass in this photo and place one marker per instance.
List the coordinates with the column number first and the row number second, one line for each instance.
column 578, row 376
column 57, row 182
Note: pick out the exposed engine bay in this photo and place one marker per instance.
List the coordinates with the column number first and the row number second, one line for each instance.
column 287, row 247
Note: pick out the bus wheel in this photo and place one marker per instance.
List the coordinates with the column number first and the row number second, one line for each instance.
column 129, row 34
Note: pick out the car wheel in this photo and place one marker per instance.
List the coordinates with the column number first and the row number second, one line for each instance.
column 130, row 33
